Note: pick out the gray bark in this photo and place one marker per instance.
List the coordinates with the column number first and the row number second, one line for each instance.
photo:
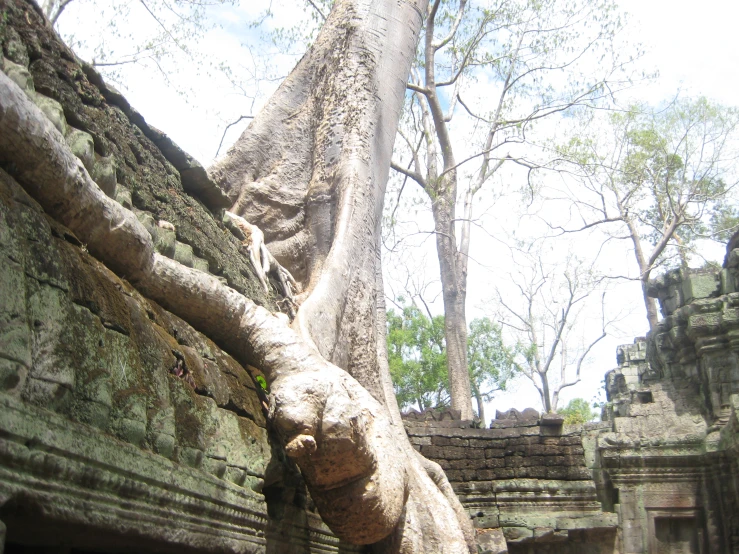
column 453, row 272
column 322, row 149
column 442, row 190
column 645, row 267
column 546, row 395
column 311, row 171
column 480, row 404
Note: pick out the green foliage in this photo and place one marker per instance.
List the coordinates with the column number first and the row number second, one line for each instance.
column 724, row 221
column 418, row 364
column 491, row 362
column 674, row 159
column 668, row 174
column 578, row 410
column 417, row 358
column 262, row 383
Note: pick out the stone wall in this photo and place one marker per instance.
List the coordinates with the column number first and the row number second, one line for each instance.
column 531, row 477
column 659, row 474
column 671, row 454
column 121, row 427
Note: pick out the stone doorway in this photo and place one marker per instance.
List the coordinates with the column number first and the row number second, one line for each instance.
column 675, row 532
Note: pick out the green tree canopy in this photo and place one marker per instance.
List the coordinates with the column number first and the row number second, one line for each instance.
column 661, row 178
column 417, row 358
column 418, row 364
column 490, row 361
column 578, row 410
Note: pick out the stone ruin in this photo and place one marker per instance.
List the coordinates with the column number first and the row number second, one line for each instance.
column 658, row 474
column 123, row 429
column 530, row 477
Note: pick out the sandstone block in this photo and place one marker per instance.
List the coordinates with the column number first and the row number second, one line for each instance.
column 82, row 146
column 103, row 173
column 53, row 110
column 19, row 75
column 183, row 254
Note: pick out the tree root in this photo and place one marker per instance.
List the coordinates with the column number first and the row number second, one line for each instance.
column 367, row 483
column 265, row 264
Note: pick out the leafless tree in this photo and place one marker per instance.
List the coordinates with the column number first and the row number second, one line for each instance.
column 535, row 58
column 549, row 319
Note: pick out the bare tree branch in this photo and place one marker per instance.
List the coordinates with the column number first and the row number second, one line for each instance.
column 223, row 136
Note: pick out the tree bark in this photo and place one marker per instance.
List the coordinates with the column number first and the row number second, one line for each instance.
column 649, row 302
column 545, row 396
column 452, row 261
column 320, row 152
column 311, row 169
column 442, row 191
column 453, row 272
column 644, row 271
column 480, row 405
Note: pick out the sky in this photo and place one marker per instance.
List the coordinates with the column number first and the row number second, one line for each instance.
column 693, row 47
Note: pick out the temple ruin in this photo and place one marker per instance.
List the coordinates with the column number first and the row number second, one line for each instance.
column 658, row 474
column 122, row 429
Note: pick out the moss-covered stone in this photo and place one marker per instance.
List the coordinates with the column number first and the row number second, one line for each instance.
column 13, row 46
column 19, row 74
column 183, row 254
column 146, row 162
column 103, row 173
column 77, row 340
column 53, row 110
column 81, row 145
column 123, row 197
column 201, row 265
column 165, row 242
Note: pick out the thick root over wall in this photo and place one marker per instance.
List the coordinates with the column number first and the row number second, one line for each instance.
column 368, row 483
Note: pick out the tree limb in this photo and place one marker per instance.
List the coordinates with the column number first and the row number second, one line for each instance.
column 223, row 136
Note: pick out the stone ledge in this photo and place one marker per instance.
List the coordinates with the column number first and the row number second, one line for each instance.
column 194, row 178
column 74, row 476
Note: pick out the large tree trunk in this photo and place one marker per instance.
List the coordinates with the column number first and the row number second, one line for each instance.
column 649, row 302
column 644, row 271
column 311, row 170
column 545, row 395
column 453, row 272
column 442, row 190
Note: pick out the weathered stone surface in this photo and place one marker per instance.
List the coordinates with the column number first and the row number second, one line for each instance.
column 529, row 415
column 103, row 173
column 492, row 541
column 670, row 403
column 88, row 376
column 195, row 179
column 666, row 453
column 507, row 479
column 122, row 427
column 73, row 95
column 19, row 74
column 552, row 420
column 81, row 145
column 53, row 110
